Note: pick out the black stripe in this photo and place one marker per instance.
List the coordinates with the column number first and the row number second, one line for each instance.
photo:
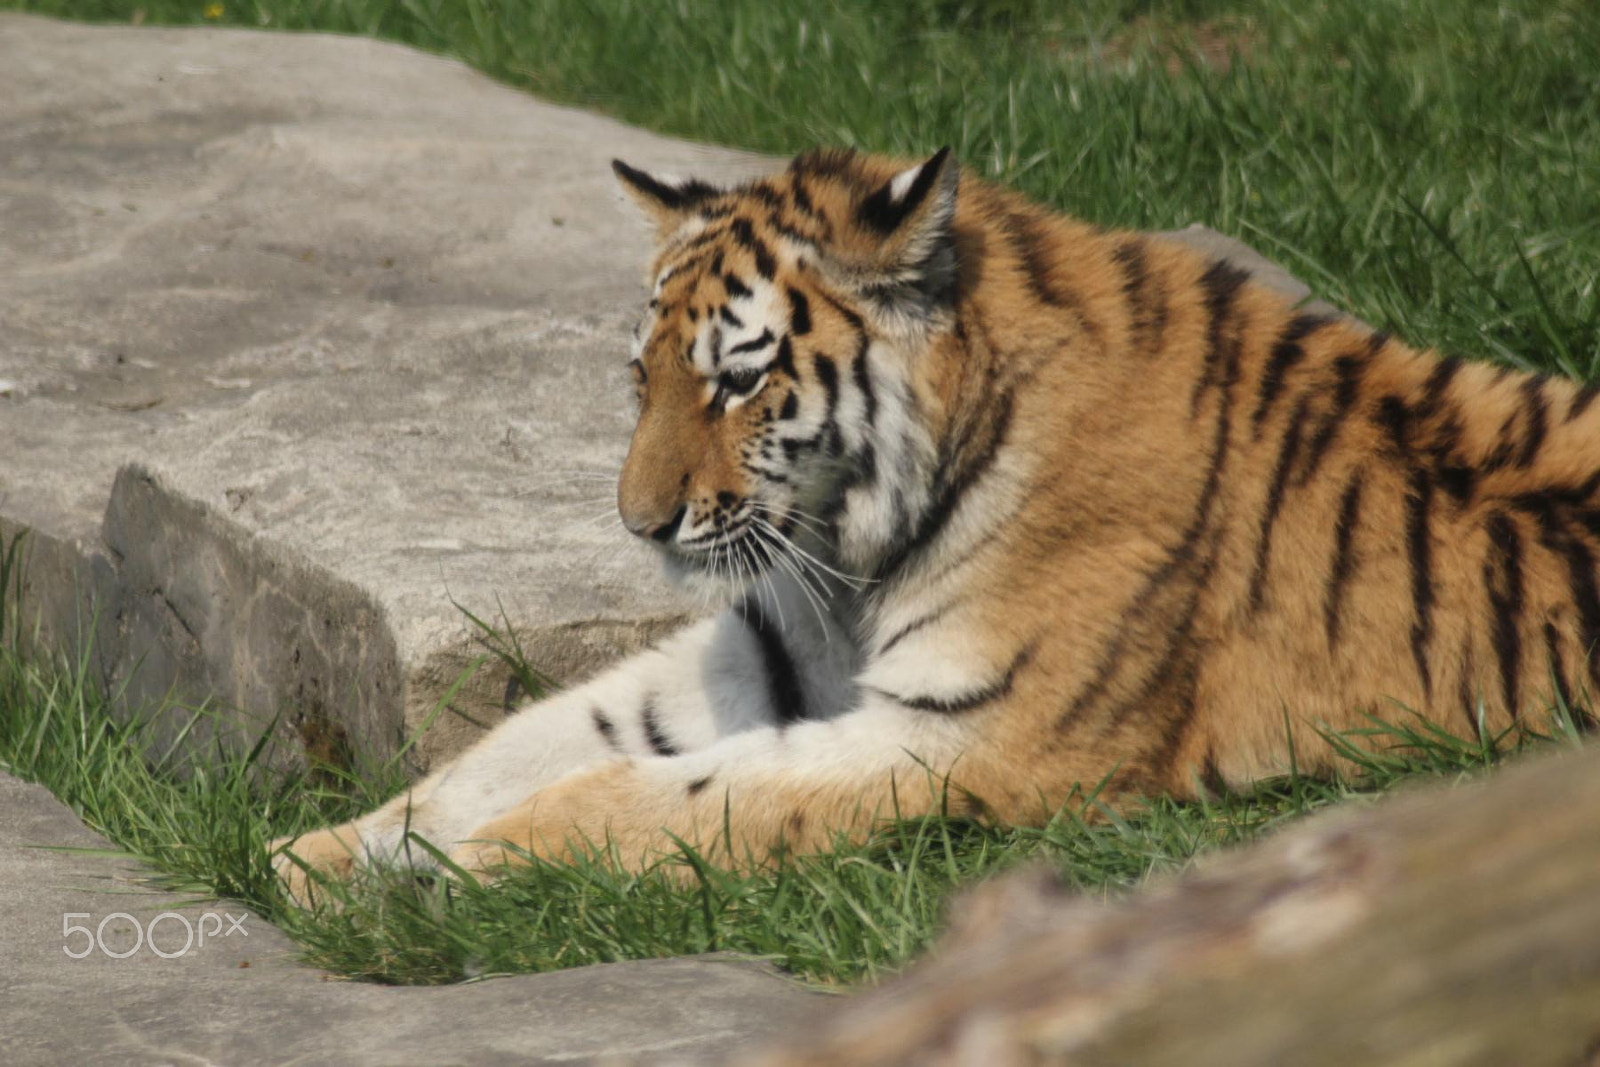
column 1558, row 672
column 1348, row 371
column 1582, row 399
column 1221, row 283
column 1032, row 247
column 1180, row 556
column 766, row 194
column 1419, row 499
column 777, row 225
column 1438, row 382
column 1130, row 256
column 1453, row 474
column 1028, row 246
column 1395, row 419
column 1537, row 410
column 864, row 469
column 745, row 234
column 698, row 784
column 830, row 162
column 1285, row 354
column 1502, row 577
column 775, row 477
column 1504, row 451
column 1344, row 535
column 863, row 379
column 857, row 323
column 799, row 313
column 912, row 627
column 735, row 287
column 698, row 244
column 1567, row 496
column 1580, row 575
column 658, row 741
column 802, row 198
column 753, row 344
column 1274, row 505
column 1183, row 676
column 1167, row 696
column 828, row 377
column 784, row 361
column 606, row 728
column 951, row 491
column 729, row 317
column 791, row 406
column 783, row 681
column 973, row 698
column 1211, row 775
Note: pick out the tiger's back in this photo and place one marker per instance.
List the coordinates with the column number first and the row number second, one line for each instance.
column 1295, row 521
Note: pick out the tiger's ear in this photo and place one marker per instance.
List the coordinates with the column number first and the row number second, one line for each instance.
column 913, row 202
column 667, row 201
column 908, row 227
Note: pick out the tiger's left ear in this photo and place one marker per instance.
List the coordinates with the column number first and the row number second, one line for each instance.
column 667, row 201
column 908, row 223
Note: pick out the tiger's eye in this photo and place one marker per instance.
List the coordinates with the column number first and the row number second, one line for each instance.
column 740, row 381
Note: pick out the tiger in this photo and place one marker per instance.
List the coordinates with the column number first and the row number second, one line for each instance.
column 1006, row 511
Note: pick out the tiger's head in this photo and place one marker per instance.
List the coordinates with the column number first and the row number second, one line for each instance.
column 772, row 363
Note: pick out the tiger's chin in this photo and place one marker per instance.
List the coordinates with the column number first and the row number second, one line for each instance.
column 725, row 577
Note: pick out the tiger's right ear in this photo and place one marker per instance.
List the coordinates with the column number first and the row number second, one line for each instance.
column 668, row 201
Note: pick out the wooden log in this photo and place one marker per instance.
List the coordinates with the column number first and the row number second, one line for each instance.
column 1447, row 926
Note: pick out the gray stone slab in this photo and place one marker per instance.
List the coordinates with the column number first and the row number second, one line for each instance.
column 304, row 341
column 243, row 999
column 334, row 297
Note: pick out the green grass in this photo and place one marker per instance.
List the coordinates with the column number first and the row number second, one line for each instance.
column 1431, row 165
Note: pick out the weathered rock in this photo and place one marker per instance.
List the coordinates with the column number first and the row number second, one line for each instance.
column 1459, row 928
column 240, row 997
column 308, row 340
column 358, row 314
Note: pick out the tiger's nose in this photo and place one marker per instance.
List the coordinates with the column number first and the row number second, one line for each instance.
column 655, row 529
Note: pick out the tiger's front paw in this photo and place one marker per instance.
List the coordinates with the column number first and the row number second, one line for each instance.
column 484, row 860
column 330, row 852
column 511, row 841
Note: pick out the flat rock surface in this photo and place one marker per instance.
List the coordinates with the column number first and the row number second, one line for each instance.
column 358, row 300
column 240, row 998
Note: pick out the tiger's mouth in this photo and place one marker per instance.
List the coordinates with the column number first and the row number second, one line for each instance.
column 725, row 565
